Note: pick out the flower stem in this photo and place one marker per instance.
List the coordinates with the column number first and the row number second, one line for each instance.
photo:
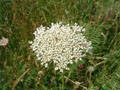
column 62, row 81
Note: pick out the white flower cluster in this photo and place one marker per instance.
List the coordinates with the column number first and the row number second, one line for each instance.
column 60, row 44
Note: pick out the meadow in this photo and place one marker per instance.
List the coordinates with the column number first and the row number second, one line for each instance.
column 99, row 71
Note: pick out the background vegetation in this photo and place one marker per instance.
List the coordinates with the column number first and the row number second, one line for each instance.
column 20, row 18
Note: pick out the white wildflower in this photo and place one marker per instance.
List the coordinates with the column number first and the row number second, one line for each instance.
column 60, row 44
column 46, row 65
column 3, row 41
column 56, row 68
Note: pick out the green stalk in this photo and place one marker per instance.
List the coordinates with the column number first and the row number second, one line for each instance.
column 62, row 81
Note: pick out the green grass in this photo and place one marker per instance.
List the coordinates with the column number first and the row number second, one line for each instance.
column 20, row 18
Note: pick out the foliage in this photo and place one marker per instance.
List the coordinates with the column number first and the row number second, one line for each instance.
column 20, row 18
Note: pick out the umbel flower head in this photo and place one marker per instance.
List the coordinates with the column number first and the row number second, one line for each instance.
column 60, row 44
